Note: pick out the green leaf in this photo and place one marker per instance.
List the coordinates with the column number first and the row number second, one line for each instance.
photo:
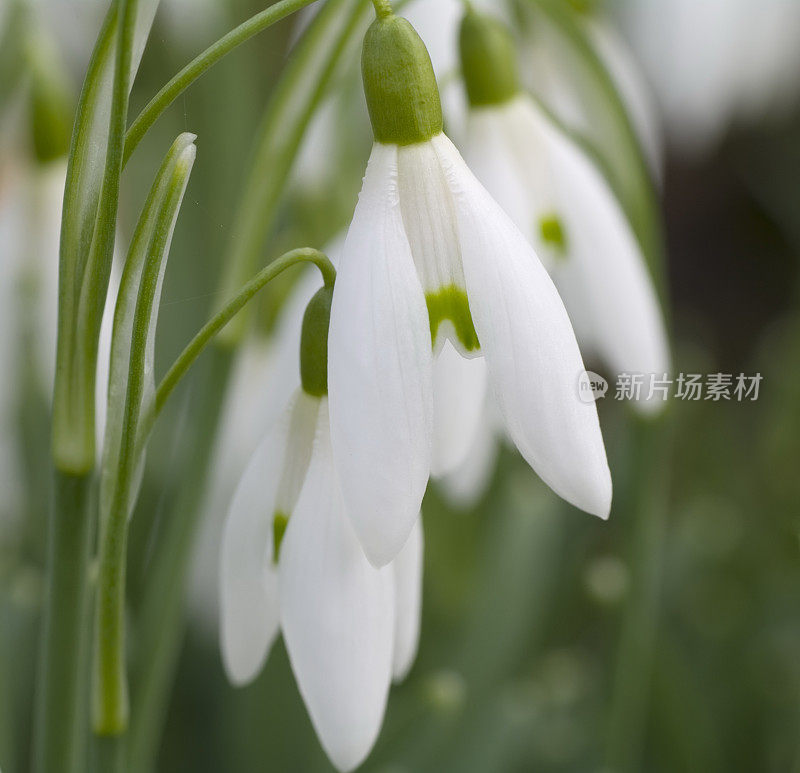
column 131, row 390
column 124, row 313
column 89, row 224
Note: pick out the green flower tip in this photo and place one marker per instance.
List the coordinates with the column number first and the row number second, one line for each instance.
column 488, row 60
column 399, row 83
column 279, row 523
column 314, row 344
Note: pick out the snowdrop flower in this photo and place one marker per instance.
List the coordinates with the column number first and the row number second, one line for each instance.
column 291, row 562
column 250, row 409
column 431, row 258
column 560, row 200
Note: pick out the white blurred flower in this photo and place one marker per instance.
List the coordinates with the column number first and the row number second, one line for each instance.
column 265, row 376
column 560, row 200
column 716, row 62
column 429, row 252
column 348, row 627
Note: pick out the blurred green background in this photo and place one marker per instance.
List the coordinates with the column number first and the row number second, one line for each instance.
column 524, row 597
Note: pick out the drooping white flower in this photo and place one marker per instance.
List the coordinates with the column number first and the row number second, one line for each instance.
column 561, row 201
column 431, row 257
column 349, row 628
column 265, row 376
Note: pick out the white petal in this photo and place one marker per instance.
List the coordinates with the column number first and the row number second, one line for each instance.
column 530, row 349
column 459, row 395
column 407, row 568
column 489, row 154
column 466, row 484
column 428, row 217
column 248, row 576
column 379, row 369
column 336, row 614
column 606, row 269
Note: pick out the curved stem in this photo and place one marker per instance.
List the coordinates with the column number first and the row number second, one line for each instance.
column 200, row 64
column 195, row 347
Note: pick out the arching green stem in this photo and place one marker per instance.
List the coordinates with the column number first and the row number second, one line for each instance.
column 195, row 347
column 201, row 64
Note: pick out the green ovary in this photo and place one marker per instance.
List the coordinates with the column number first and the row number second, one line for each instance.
column 451, row 303
column 552, row 232
column 279, row 522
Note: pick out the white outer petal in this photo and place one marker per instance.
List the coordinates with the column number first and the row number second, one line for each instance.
column 466, row 484
column 489, row 153
column 336, row 615
column 530, row 348
column 606, row 269
column 459, row 395
column 379, row 369
column 248, row 577
column 407, row 569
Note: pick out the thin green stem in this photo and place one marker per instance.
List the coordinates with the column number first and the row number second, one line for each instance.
column 195, row 347
column 59, row 714
column 202, row 63
column 645, row 511
column 383, row 9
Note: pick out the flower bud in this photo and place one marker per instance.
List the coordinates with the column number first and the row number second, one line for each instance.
column 314, row 344
column 488, row 60
column 399, row 83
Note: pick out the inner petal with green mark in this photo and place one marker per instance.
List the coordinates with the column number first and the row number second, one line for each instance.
column 450, row 305
column 279, row 523
column 553, row 234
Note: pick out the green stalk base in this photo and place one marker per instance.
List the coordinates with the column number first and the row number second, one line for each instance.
column 60, row 701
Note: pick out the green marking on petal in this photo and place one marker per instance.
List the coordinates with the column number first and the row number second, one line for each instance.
column 451, row 303
column 279, row 522
column 552, row 231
